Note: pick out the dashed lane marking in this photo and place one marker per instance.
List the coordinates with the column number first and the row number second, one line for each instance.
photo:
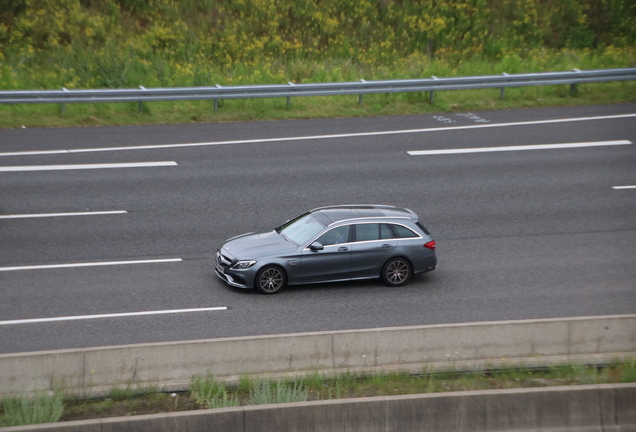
column 114, row 315
column 89, row 264
column 84, row 166
column 518, row 148
column 44, row 215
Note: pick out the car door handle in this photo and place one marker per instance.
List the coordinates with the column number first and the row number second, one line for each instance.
column 385, row 246
column 343, row 248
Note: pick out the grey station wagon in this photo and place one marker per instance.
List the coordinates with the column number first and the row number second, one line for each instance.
column 329, row 244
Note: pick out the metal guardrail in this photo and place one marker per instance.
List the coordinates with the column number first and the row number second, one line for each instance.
column 362, row 87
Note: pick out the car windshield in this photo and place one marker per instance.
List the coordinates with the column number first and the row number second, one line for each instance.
column 301, row 229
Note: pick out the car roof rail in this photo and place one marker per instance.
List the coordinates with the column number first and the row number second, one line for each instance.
column 345, row 206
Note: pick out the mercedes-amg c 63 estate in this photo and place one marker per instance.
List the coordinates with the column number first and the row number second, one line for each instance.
column 327, row 244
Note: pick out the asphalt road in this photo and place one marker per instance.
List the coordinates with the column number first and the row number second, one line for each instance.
column 520, row 234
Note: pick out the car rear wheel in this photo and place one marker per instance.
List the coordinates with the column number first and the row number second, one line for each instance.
column 270, row 280
column 396, row 272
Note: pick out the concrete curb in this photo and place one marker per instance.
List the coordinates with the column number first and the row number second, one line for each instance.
column 589, row 408
column 171, row 365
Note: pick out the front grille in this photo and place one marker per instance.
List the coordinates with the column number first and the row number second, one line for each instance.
column 223, row 259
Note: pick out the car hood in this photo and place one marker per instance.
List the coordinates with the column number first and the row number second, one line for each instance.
column 257, row 245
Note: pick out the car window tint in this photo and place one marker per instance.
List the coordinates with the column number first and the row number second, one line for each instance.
column 403, row 232
column 335, row 236
column 385, row 232
column 302, row 229
column 367, row 232
column 423, row 228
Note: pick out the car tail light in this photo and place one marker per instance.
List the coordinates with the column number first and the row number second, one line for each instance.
column 430, row 245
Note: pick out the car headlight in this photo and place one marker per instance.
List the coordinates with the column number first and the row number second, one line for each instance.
column 241, row 265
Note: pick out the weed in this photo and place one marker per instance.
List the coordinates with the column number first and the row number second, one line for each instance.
column 207, row 392
column 43, row 408
column 268, row 392
column 313, row 382
column 245, row 383
column 118, row 394
column 629, row 373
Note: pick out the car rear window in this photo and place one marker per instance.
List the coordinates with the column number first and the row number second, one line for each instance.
column 423, row 228
column 403, row 232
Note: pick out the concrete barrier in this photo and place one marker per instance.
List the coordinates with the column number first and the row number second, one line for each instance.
column 590, row 408
column 170, row 365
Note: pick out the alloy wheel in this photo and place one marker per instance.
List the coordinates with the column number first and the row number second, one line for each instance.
column 271, row 280
column 397, row 272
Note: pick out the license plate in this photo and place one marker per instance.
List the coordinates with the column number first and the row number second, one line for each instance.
column 220, row 269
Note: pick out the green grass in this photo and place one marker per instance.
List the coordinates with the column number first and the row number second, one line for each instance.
column 131, row 43
column 208, row 392
column 43, row 408
column 86, row 114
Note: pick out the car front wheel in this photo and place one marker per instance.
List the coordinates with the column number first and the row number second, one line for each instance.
column 270, row 280
column 396, row 272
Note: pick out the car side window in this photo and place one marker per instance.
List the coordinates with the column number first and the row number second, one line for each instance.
column 335, row 236
column 403, row 232
column 367, row 232
column 385, row 232
column 373, row 231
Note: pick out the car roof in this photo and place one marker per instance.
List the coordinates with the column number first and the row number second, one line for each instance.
column 363, row 211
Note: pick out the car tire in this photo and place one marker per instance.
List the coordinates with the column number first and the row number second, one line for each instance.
column 270, row 280
column 396, row 272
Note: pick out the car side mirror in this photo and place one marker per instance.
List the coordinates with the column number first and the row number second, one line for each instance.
column 316, row 246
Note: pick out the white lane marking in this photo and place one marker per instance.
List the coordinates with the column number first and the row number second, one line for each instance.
column 518, row 148
column 89, row 264
column 41, row 215
column 624, row 187
column 115, row 315
column 85, row 166
column 315, row 137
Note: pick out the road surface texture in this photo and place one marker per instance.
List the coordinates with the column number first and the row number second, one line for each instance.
column 95, row 232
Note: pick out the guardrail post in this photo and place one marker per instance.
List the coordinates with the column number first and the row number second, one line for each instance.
column 216, row 101
column 63, row 106
column 360, row 95
column 431, row 94
column 502, row 90
column 289, row 97
column 573, row 86
column 573, row 89
column 140, row 104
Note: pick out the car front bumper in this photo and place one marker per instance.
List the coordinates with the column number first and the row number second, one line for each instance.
column 243, row 278
column 230, row 279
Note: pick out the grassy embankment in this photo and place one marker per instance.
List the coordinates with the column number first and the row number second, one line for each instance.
column 206, row 392
column 50, row 44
